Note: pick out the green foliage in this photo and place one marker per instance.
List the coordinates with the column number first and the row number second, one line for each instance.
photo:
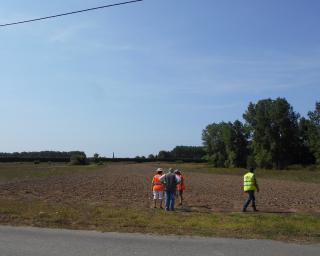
column 225, row 144
column 42, row 156
column 164, row 155
column 78, row 159
column 273, row 126
column 96, row 158
column 273, row 136
column 183, row 153
column 305, row 155
column 313, row 133
column 188, row 152
column 151, row 157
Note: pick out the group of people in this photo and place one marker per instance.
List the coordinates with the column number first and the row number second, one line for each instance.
column 167, row 186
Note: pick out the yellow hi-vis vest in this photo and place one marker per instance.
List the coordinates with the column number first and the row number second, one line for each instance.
column 249, row 182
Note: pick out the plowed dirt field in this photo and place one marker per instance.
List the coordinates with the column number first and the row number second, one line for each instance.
column 129, row 185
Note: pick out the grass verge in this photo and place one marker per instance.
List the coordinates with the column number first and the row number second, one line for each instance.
column 288, row 227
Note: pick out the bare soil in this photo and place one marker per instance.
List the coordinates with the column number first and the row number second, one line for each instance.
column 129, row 185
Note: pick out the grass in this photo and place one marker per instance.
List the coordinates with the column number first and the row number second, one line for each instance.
column 287, row 227
column 23, row 171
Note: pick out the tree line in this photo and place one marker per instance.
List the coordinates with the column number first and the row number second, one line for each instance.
column 183, row 153
column 273, row 135
column 42, row 156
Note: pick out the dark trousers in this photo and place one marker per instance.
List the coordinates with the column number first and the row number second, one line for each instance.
column 169, row 200
column 251, row 198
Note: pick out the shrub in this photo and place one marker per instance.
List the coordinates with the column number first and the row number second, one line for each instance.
column 78, row 159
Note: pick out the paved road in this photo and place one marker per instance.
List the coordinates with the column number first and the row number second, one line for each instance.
column 50, row 242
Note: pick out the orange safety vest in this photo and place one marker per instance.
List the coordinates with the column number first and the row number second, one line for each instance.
column 181, row 185
column 157, row 185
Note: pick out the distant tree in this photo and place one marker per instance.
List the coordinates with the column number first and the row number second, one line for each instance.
column 42, row 156
column 225, row 144
column 237, row 145
column 274, row 129
column 151, row 157
column 188, row 153
column 78, row 159
column 314, row 132
column 214, row 143
column 164, row 155
column 96, row 158
column 305, row 155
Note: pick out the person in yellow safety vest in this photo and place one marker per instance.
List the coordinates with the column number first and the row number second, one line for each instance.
column 249, row 186
column 157, row 188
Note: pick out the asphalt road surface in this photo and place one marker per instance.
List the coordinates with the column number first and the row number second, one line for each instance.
column 52, row 242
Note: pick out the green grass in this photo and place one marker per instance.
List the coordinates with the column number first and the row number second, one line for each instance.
column 22, row 171
column 286, row 227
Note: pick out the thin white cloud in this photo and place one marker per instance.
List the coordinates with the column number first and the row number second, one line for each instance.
column 220, row 75
column 68, row 33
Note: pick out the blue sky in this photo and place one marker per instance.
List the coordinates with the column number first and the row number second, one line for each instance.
column 148, row 76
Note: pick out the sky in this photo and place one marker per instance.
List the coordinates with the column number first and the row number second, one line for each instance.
column 148, row 76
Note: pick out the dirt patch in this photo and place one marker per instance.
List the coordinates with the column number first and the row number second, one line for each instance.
column 129, row 185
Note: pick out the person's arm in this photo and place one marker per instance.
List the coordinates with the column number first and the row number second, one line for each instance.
column 152, row 184
column 256, row 184
column 178, row 179
column 163, row 179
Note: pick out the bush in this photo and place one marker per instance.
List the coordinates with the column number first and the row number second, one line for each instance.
column 78, row 159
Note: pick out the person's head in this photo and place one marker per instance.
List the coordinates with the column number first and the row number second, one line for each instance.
column 170, row 170
column 177, row 172
column 159, row 171
column 251, row 169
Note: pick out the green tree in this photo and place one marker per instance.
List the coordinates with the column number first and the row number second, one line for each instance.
column 188, row 152
column 314, row 132
column 273, row 126
column 225, row 144
column 164, row 155
column 151, row 157
column 305, row 155
column 213, row 142
column 96, row 158
column 79, row 158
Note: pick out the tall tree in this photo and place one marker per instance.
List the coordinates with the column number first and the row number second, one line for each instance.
column 314, row 132
column 225, row 144
column 274, row 129
column 213, row 141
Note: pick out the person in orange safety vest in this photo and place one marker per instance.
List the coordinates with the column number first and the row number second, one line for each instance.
column 181, row 186
column 157, row 188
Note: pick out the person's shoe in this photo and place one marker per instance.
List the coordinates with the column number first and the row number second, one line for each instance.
column 161, row 207
column 255, row 210
column 244, row 210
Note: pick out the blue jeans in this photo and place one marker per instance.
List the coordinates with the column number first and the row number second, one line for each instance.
column 169, row 200
column 251, row 198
